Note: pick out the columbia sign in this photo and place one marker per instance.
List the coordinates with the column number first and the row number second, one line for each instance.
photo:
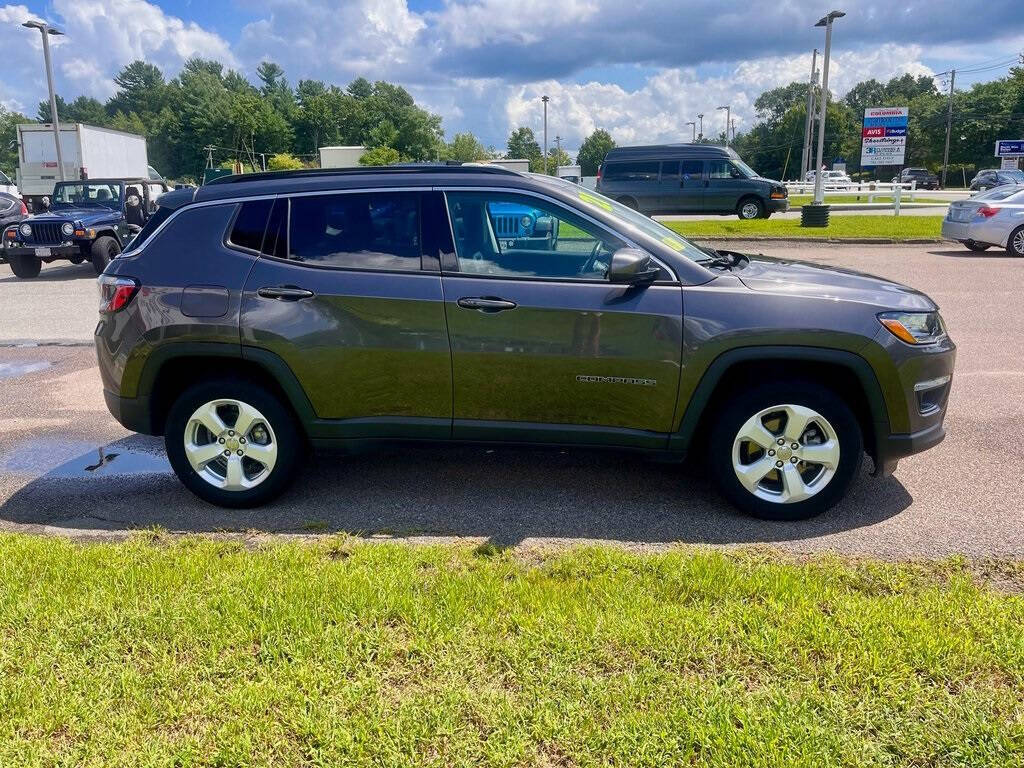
column 884, row 136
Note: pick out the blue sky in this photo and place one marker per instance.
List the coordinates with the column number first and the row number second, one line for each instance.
column 640, row 69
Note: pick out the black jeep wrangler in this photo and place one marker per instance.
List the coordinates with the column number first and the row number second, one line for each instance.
column 87, row 220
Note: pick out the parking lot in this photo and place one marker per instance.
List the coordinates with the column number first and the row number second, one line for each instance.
column 67, row 467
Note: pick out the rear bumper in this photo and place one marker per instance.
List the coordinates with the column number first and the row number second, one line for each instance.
column 131, row 412
column 992, row 231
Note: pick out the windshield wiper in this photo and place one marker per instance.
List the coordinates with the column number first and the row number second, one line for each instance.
column 726, row 259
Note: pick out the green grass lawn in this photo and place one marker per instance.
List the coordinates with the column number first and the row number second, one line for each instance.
column 839, row 227
column 195, row 652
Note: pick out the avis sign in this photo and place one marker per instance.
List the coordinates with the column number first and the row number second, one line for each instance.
column 884, row 136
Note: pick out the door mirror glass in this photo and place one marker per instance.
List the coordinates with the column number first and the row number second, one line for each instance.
column 632, row 266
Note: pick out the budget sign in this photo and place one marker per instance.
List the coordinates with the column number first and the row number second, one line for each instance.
column 884, row 136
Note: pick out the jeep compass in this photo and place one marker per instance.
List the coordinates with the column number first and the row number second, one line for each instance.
column 262, row 315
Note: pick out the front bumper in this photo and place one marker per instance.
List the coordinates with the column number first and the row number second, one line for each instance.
column 778, row 206
column 44, row 252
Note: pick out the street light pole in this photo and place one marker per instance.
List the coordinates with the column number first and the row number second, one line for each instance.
column 805, row 156
column 700, row 133
column 825, row 22
column 46, row 30
column 558, row 152
column 693, row 126
column 545, row 100
column 727, row 109
column 949, row 126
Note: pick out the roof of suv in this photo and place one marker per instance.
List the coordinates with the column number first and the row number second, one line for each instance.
column 311, row 180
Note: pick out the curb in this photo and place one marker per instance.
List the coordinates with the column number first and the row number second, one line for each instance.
column 832, row 240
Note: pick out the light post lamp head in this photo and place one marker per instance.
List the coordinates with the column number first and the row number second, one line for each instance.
column 43, row 27
column 829, row 18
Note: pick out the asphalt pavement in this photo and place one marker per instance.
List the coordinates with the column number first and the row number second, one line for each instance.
column 66, row 467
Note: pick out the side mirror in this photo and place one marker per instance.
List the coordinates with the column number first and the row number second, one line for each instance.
column 632, row 266
column 44, row 203
column 543, row 226
column 134, row 229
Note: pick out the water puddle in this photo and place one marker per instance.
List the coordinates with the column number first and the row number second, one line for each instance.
column 55, row 458
column 110, row 461
column 13, row 370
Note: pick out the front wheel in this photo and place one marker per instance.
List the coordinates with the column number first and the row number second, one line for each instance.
column 785, row 451
column 973, row 245
column 25, row 266
column 103, row 250
column 232, row 443
column 1015, row 242
column 750, row 208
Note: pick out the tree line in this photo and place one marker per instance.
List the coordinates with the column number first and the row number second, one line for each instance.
column 282, row 126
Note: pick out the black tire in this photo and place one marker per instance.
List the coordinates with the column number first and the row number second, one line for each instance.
column 971, row 245
column 25, row 266
column 739, row 410
column 750, row 208
column 282, row 422
column 103, row 250
column 77, row 259
column 629, row 202
column 1015, row 243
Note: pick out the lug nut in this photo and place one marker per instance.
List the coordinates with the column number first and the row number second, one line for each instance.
column 239, row 453
column 241, row 440
column 780, row 441
column 796, row 446
column 794, row 460
column 771, row 452
column 221, row 441
column 227, row 453
column 231, row 432
column 778, row 463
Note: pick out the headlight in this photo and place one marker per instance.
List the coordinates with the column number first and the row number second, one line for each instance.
column 67, row 228
column 914, row 327
column 526, row 221
column 26, row 230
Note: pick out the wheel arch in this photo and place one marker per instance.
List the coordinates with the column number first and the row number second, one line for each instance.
column 832, row 367
column 171, row 368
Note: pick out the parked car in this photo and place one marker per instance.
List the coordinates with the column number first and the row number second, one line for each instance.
column 925, row 179
column 12, row 210
column 831, row 179
column 261, row 314
column 87, row 221
column 992, row 218
column 995, row 177
column 688, row 178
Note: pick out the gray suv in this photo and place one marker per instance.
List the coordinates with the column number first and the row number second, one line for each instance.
column 688, row 178
column 261, row 315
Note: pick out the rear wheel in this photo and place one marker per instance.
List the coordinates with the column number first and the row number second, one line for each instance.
column 750, row 208
column 629, row 202
column 1015, row 242
column 232, row 443
column 786, row 450
column 25, row 266
column 975, row 246
column 103, row 250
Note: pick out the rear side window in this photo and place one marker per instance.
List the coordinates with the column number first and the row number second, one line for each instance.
column 250, row 224
column 357, row 231
column 151, row 225
column 632, row 170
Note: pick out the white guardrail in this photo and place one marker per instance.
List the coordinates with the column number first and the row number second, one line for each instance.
column 869, row 189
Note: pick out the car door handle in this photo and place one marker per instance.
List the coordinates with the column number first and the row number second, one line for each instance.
column 486, row 303
column 285, row 293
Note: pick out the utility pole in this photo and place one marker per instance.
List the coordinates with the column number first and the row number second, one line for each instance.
column 727, row 109
column 805, row 156
column 700, row 133
column 693, row 126
column 46, row 30
column 826, row 22
column 733, row 124
column 949, row 126
column 545, row 100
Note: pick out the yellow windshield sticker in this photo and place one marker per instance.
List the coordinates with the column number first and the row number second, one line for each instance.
column 673, row 243
column 586, row 197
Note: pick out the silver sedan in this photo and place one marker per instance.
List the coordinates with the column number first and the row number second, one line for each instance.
column 995, row 217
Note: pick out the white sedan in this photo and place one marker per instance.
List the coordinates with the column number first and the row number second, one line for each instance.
column 992, row 218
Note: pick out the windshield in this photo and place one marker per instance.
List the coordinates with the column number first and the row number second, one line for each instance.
column 4, row 179
column 86, row 194
column 999, row 193
column 632, row 219
column 745, row 169
column 1015, row 175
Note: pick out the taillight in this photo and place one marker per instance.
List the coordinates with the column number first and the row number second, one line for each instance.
column 116, row 293
column 988, row 211
column 599, row 169
column 24, row 208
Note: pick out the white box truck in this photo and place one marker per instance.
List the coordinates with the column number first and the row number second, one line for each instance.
column 573, row 173
column 341, row 157
column 512, row 164
column 89, row 152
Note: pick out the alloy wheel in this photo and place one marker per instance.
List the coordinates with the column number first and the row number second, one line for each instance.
column 230, row 444
column 785, row 454
column 749, row 210
column 1018, row 242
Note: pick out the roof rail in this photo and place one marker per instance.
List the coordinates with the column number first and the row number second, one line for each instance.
column 408, row 168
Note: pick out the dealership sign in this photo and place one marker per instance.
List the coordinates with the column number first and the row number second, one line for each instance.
column 1010, row 148
column 884, row 136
